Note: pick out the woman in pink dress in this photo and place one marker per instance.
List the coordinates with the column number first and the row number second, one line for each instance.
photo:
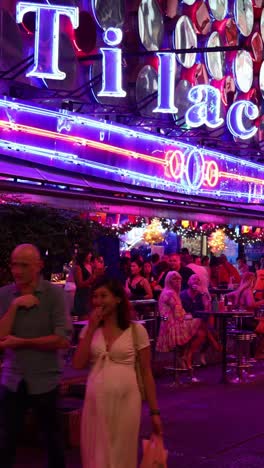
column 112, row 405
column 178, row 328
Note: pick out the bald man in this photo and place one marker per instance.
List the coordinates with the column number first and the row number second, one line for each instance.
column 32, row 331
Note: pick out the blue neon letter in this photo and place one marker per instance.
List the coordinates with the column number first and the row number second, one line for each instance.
column 206, row 108
column 236, row 115
column 112, row 65
column 46, row 55
column 166, row 83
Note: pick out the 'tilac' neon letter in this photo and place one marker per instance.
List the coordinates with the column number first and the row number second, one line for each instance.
column 112, row 65
column 46, row 54
column 238, row 116
column 206, row 108
column 166, row 83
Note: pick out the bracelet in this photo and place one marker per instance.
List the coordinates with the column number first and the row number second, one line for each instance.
column 154, row 412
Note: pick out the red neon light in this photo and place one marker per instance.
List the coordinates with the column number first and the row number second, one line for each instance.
column 241, row 178
column 173, row 162
column 81, row 141
column 211, row 173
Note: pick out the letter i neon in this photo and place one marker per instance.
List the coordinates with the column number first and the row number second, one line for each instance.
column 166, row 83
column 112, row 65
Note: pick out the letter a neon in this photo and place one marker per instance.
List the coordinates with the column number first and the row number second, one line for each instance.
column 206, row 108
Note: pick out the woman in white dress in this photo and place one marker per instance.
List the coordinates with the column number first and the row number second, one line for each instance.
column 112, row 406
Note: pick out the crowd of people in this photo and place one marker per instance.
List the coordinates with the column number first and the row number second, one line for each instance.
column 34, row 331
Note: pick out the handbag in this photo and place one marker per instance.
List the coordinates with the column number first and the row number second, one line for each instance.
column 154, row 453
column 137, row 364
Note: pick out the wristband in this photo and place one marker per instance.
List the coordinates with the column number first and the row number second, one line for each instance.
column 154, row 412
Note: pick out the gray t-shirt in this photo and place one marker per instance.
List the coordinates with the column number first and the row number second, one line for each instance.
column 39, row 369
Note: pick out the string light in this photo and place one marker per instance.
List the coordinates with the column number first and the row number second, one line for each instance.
column 216, row 241
column 194, row 231
column 154, row 232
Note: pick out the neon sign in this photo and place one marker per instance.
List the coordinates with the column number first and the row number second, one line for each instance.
column 70, row 141
column 235, row 119
column 205, row 100
column 206, row 107
column 47, row 35
column 112, row 65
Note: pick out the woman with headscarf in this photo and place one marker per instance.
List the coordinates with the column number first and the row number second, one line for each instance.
column 177, row 327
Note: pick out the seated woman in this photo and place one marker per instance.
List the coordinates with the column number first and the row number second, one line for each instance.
column 227, row 273
column 214, row 272
column 148, row 273
column 259, row 285
column 88, row 267
column 138, row 287
column 161, row 270
column 243, row 296
column 82, row 275
column 178, row 329
column 193, row 300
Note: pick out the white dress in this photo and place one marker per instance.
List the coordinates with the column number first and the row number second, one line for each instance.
column 112, row 405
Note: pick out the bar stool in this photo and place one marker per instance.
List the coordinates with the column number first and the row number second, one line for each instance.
column 178, row 366
column 243, row 339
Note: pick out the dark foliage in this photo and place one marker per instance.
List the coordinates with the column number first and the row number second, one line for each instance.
column 54, row 231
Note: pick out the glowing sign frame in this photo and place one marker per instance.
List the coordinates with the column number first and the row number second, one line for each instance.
column 69, row 141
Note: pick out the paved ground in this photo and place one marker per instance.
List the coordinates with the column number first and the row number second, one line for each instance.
column 207, row 424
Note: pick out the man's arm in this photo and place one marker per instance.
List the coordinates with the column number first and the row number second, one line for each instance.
column 43, row 343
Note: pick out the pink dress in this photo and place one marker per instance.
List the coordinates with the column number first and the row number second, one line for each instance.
column 179, row 328
column 112, row 405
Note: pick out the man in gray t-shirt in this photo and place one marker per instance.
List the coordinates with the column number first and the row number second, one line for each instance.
column 32, row 331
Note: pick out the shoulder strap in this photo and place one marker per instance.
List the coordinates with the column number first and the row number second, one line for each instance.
column 134, row 335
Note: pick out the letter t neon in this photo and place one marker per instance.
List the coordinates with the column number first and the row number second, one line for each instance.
column 46, row 53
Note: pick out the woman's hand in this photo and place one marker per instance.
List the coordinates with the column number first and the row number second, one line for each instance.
column 27, row 301
column 157, row 425
column 96, row 317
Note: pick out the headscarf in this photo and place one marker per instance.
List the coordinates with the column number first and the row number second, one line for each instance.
column 168, row 281
column 171, row 290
